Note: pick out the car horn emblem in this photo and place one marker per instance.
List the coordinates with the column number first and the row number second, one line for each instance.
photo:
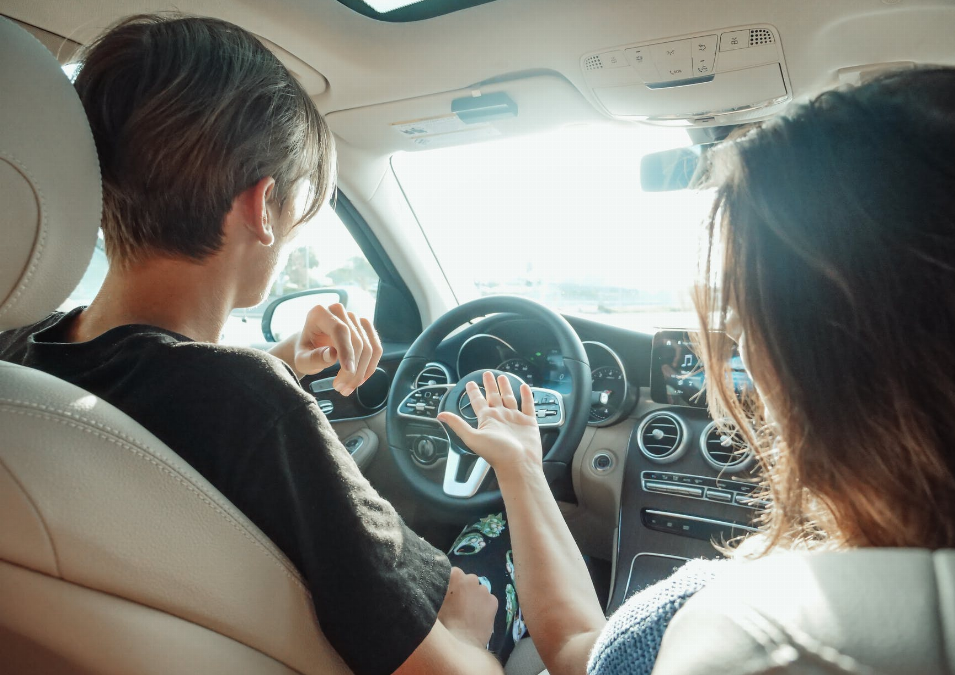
column 465, row 407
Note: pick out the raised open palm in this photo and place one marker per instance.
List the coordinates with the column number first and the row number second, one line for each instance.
column 507, row 435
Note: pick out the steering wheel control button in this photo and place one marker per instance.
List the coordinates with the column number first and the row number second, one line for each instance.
column 548, row 407
column 424, row 403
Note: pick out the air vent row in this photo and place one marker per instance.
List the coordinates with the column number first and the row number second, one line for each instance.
column 433, row 373
column 724, row 451
column 662, row 437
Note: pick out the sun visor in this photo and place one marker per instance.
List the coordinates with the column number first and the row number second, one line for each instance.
column 484, row 112
column 723, row 76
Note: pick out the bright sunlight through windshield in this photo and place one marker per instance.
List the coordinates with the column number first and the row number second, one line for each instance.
column 560, row 217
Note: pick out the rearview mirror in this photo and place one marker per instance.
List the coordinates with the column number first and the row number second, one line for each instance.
column 286, row 315
column 670, row 169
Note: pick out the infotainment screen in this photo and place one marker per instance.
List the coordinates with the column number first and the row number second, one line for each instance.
column 676, row 373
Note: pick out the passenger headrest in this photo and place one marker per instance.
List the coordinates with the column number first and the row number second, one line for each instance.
column 50, row 191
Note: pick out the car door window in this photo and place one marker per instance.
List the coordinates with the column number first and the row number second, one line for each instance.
column 323, row 255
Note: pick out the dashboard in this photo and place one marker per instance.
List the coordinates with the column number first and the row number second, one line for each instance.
column 537, row 362
column 654, row 481
column 657, row 481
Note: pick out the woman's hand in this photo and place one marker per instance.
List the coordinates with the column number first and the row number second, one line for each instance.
column 507, row 436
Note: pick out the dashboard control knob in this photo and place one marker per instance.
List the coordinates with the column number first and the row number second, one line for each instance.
column 602, row 462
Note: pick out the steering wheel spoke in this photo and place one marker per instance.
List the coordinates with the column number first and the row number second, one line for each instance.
column 549, row 407
column 469, row 486
column 424, row 403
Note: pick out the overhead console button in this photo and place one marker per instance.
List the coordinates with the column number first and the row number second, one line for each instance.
column 673, row 60
column 640, row 58
column 704, row 55
column 737, row 39
column 614, row 59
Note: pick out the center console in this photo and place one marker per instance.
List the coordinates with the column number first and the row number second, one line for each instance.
column 687, row 484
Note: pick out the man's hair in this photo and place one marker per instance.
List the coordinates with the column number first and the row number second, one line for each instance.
column 187, row 113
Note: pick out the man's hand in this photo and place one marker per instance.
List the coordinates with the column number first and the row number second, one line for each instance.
column 331, row 334
column 468, row 609
column 507, row 437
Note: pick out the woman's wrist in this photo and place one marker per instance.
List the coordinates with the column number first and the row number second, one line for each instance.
column 521, row 476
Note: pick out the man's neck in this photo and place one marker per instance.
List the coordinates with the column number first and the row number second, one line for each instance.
column 179, row 296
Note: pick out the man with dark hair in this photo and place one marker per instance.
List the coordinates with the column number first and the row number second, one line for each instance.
column 212, row 158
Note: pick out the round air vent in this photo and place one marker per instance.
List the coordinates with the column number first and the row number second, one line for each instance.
column 662, row 437
column 433, row 373
column 373, row 394
column 723, row 451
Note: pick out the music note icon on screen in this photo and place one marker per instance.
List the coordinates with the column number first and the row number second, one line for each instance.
column 688, row 361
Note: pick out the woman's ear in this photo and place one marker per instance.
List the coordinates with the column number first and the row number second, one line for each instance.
column 252, row 206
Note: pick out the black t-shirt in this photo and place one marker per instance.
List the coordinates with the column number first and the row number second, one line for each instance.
column 242, row 420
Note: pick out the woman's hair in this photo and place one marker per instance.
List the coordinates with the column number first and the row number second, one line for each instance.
column 188, row 112
column 832, row 241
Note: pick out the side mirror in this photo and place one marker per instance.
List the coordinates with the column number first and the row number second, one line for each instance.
column 670, row 169
column 285, row 315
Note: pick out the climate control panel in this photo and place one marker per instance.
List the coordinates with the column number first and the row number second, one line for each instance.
column 719, row 490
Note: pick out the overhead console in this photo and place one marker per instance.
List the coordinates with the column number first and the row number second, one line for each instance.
column 724, row 76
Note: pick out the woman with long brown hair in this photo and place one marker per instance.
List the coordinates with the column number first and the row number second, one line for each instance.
column 830, row 259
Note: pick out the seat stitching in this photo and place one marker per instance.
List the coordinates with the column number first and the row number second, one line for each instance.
column 180, row 467
column 164, row 468
column 37, row 253
column 12, row 301
column 46, row 529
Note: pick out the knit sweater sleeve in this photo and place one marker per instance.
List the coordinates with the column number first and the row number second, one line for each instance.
column 631, row 640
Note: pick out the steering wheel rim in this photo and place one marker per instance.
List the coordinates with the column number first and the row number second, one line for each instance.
column 575, row 406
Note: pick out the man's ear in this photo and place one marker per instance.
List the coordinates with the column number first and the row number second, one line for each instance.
column 250, row 209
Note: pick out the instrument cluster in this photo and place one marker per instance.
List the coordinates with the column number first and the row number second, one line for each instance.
column 543, row 366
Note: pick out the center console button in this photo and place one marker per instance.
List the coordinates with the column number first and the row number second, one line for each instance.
column 719, row 495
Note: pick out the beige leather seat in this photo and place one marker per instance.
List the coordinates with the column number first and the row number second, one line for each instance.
column 886, row 611
column 115, row 556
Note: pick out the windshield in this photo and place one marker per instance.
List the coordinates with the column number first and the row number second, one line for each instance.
column 560, row 217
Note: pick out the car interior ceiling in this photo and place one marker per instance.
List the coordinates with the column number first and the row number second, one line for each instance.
column 653, row 481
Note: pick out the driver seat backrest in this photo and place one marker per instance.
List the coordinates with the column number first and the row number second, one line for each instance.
column 115, row 556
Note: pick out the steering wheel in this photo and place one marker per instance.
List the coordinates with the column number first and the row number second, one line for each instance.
column 460, row 492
